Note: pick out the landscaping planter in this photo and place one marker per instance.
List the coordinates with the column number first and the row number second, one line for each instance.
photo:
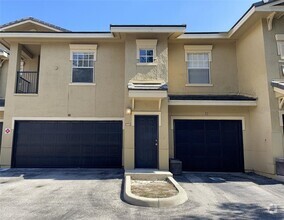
column 169, row 194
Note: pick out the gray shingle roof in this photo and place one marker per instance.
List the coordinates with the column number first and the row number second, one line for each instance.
column 35, row 20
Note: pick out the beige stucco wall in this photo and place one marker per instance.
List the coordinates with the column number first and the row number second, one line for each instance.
column 211, row 112
column 146, row 73
column 223, row 69
column 253, row 80
column 57, row 97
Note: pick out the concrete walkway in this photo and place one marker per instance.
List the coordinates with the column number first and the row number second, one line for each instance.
column 96, row 194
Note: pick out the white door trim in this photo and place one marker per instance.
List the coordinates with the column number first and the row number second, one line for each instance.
column 145, row 113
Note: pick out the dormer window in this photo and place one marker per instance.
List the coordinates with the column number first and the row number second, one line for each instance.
column 146, row 51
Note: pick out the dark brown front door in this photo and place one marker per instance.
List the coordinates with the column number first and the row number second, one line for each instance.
column 146, row 141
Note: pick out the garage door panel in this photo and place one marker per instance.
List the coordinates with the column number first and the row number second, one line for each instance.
column 214, row 145
column 68, row 144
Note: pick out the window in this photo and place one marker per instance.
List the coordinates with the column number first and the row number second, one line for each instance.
column 83, row 67
column 198, row 68
column 280, row 45
column 198, row 58
column 146, row 51
column 146, row 56
column 83, row 59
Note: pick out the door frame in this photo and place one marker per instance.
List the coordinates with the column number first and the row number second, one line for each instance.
column 158, row 115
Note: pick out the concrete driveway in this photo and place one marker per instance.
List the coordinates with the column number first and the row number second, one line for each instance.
column 96, row 194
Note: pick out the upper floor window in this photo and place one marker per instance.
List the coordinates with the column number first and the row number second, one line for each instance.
column 83, row 62
column 198, row 60
column 146, row 51
column 146, row 56
column 83, row 67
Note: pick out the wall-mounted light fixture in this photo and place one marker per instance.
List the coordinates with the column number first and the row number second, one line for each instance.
column 128, row 111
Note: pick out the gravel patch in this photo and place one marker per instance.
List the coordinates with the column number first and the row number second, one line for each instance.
column 153, row 189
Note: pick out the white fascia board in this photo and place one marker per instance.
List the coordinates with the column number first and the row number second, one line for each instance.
column 56, row 35
column 241, row 22
column 148, row 29
column 203, row 36
column 211, row 103
column 147, row 94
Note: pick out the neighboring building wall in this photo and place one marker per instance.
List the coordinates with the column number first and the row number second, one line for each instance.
column 223, row 68
column 57, row 97
column 273, row 72
column 146, row 73
column 253, row 80
column 3, row 78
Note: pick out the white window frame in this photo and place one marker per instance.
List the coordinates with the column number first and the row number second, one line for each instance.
column 280, row 48
column 83, row 48
column 198, row 49
column 146, row 44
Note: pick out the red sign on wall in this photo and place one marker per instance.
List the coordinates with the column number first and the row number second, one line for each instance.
column 7, row 130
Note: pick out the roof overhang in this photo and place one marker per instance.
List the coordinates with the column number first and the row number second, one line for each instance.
column 211, row 103
column 148, row 28
column 57, row 35
column 212, row 100
column 148, row 94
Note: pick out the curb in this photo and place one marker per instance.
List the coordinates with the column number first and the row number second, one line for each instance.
column 178, row 199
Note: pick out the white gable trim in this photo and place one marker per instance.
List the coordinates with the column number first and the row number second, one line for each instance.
column 30, row 21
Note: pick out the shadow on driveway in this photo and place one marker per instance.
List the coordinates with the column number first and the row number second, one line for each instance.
column 62, row 174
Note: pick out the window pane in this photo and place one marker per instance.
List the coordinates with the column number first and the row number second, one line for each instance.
column 80, row 63
column 75, row 56
column 150, row 52
column 91, row 56
column 149, row 59
column 200, row 76
column 86, row 63
column 142, row 59
column 91, row 63
column 142, row 52
column 75, row 63
column 82, row 75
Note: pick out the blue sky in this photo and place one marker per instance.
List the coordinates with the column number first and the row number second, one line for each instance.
column 96, row 15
